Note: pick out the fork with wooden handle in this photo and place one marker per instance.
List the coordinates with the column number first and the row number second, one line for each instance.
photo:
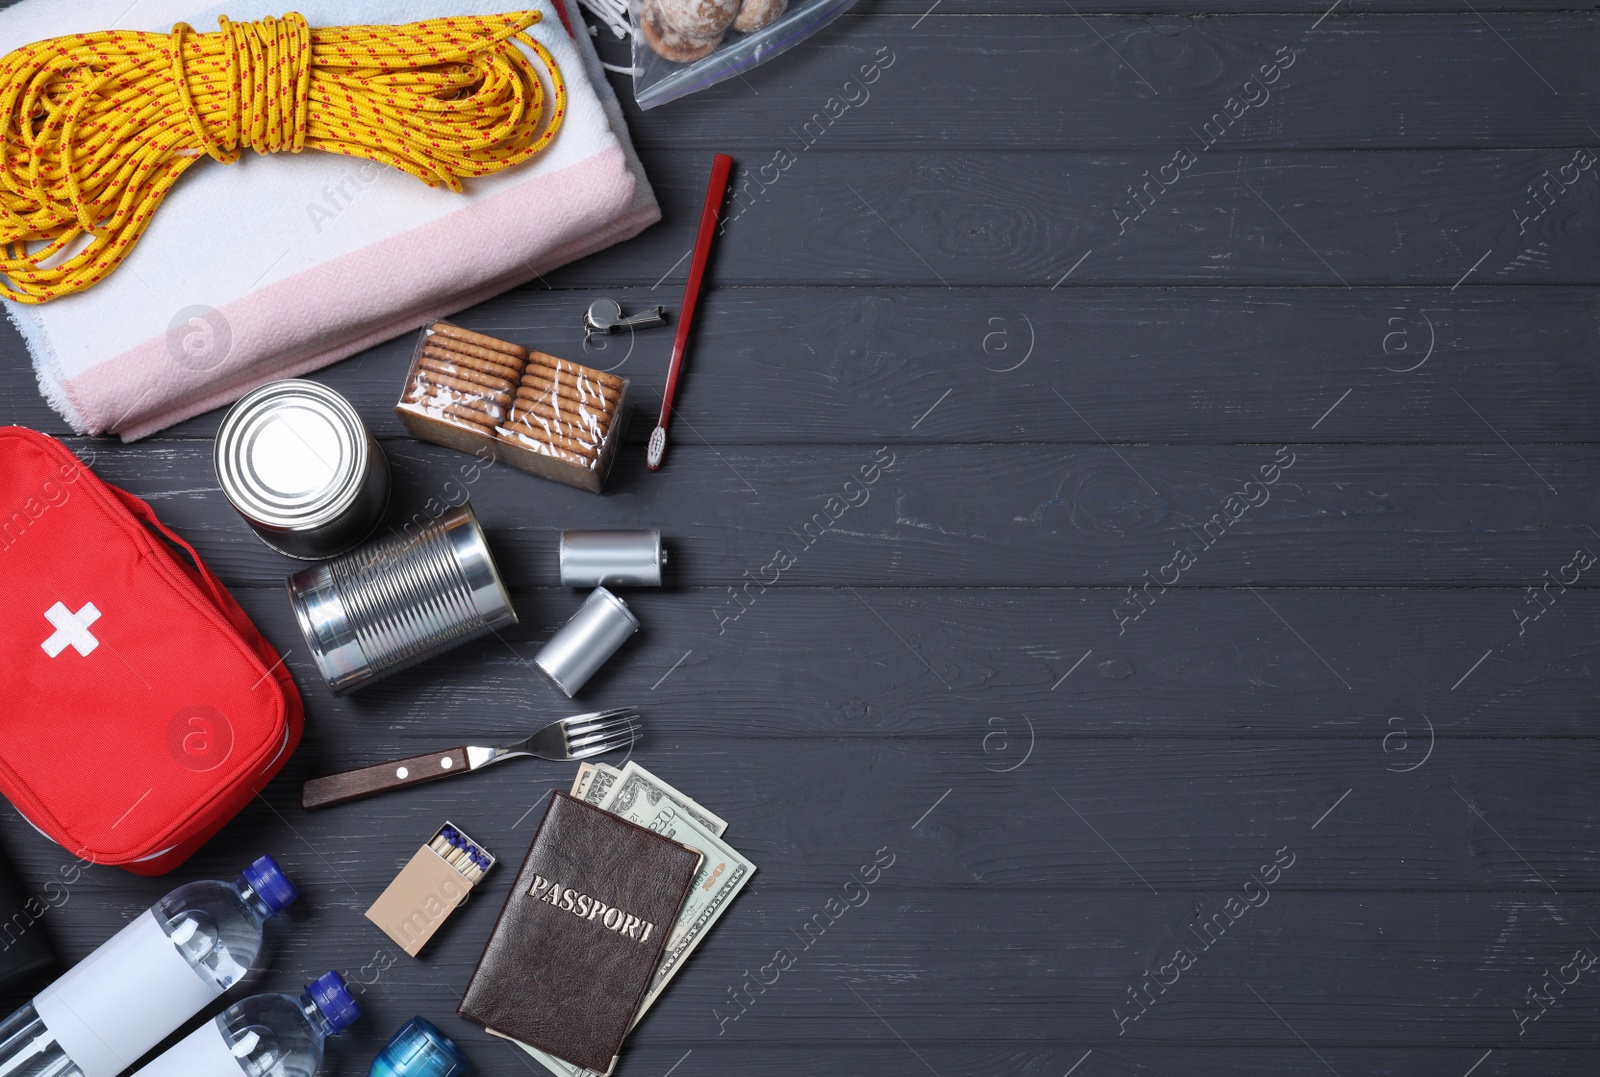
column 578, row 737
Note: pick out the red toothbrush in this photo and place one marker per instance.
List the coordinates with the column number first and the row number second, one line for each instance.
column 715, row 191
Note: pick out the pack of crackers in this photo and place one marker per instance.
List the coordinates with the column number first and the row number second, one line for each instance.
column 547, row 416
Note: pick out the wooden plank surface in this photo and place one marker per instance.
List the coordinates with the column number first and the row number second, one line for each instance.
column 939, row 663
column 1001, row 515
column 856, row 364
column 917, row 9
column 985, row 667
column 1135, row 80
column 958, row 219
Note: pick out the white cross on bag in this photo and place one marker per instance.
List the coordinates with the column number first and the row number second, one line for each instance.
column 71, row 629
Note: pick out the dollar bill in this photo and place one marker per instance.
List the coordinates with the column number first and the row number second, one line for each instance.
column 559, row 1066
column 580, row 782
column 597, row 783
column 637, row 784
column 723, row 873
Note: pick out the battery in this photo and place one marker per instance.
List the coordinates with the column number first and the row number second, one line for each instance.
column 611, row 558
column 601, row 626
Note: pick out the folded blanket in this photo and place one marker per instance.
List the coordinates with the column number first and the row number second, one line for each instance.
column 282, row 264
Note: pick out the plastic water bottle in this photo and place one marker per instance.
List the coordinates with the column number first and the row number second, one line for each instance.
column 152, row 976
column 264, row 1035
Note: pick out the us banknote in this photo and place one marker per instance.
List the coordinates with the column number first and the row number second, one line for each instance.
column 640, row 797
column 584, row 778
column 594, row 781
column 638, row 792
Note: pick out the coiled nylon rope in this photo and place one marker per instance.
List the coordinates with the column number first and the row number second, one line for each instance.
column 96, row 128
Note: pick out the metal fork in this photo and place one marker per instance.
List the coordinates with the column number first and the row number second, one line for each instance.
column 578, row 737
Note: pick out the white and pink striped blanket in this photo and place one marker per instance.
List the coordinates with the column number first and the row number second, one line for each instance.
column 283, row 264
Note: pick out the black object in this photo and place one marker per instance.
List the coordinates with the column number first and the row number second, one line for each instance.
column 25, row 951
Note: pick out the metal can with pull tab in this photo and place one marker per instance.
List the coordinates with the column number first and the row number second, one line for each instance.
column 611, row 558
column 295, row 460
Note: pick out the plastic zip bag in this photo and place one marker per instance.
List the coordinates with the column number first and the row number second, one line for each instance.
column 683, row 46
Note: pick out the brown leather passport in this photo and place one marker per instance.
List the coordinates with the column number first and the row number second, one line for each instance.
column 580, row 934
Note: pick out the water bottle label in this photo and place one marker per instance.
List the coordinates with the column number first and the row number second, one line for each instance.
column 123, row 999
column 202, row 1053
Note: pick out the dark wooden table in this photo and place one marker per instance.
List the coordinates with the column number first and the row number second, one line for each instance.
column 1195, row 655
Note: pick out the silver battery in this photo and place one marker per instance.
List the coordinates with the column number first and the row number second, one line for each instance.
column 601, row 626
column 295, row 460
column 400, row 601
column 611, row 558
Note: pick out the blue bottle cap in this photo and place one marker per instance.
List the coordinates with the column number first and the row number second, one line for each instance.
column 420, row 1050
column 269, row 882
column 333, row 998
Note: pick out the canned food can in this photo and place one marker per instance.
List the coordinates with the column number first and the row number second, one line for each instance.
column 611, row 558
column 400, row 601
column 573, row 655
column 296, row 462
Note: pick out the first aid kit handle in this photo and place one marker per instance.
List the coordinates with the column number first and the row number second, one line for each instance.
column 147, row 516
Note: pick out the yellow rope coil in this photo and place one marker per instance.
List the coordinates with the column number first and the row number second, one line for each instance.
column 96, row 128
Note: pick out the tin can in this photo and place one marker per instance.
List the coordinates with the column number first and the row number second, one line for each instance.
column 573, row 655
column 611, row 558
column 296, row 462
column 400, row 601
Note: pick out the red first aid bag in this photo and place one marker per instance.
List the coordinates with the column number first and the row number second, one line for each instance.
column 140, row 709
